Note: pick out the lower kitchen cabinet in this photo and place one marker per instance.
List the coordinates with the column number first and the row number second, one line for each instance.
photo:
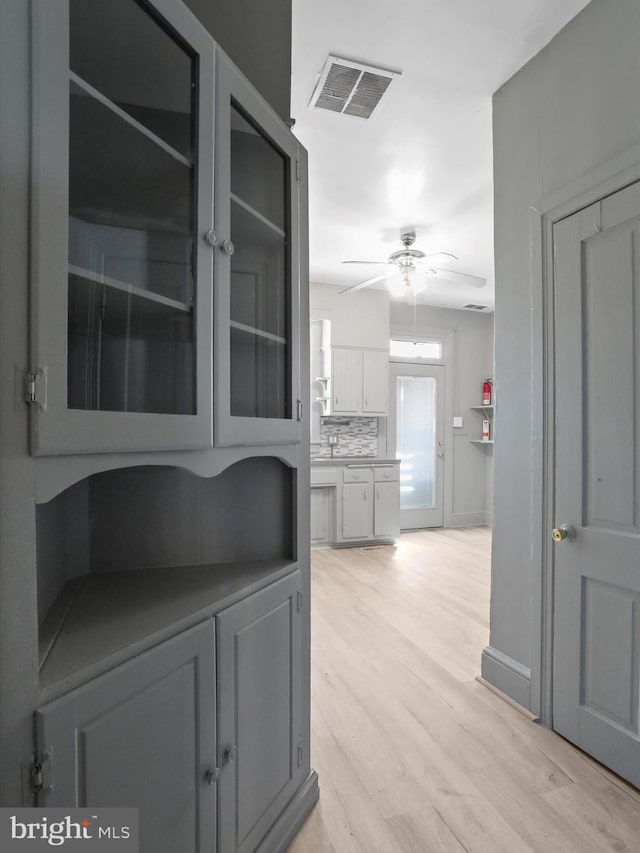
column 367, row 500
column 203, row 733
column 357, row 511
column 386, row 514
column 260, row 748
column 142, row 735
column 322, row 512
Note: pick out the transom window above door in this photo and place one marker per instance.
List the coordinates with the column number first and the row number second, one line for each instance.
column 407, row 349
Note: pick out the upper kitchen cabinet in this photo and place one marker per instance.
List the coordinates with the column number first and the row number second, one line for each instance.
column 258, row 176
column 122, row 274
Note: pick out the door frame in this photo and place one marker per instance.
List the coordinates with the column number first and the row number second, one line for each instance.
column 605, row 180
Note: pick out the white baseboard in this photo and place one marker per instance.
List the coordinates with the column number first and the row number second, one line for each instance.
column 466, row 519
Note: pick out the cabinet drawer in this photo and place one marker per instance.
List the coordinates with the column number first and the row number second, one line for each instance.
column 358, row 474
column 384, row 473
column 325, row 476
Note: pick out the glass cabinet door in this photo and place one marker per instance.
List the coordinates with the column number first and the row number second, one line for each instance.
column 257, row 269
column 129, row 175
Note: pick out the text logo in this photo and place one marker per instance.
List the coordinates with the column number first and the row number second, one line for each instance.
column 36, row 829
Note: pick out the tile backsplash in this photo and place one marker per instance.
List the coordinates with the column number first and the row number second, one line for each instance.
column 356, row 437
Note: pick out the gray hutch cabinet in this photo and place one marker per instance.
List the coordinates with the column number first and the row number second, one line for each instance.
column 154, row 607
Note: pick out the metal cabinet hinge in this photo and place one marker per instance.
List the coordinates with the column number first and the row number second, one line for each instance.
column 41, row 772
column 298, row 172
column 299, row 754
column 299, row 410
column 35, row 387
column 299, row 600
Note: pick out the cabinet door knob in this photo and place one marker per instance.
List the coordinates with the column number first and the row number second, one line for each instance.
column 229, row 755
column 212, row 776
column 211, row 238
column 228, row 248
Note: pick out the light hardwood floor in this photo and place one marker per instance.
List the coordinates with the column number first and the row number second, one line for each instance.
column 414, row 755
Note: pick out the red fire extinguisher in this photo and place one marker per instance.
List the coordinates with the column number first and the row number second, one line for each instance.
column 486, row 392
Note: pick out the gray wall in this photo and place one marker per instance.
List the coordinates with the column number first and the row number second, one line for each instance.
column 572, row 108
column 256, row 35
column 468, row 483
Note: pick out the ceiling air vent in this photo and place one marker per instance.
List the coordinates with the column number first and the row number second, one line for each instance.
column 350, row 88
column 473, row 307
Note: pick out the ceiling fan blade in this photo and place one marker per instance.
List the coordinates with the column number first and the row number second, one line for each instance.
column 459, row 278
column 377, row 263
column 448, row 254
column 362, row 284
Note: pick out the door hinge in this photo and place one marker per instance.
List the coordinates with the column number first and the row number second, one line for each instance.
column 299, row 755
column 41, row 772
column 299, row 600
column 298, row 172
column 35, row 387
column 299, row 410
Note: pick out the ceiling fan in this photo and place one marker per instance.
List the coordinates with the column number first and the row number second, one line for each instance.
column 407, row 262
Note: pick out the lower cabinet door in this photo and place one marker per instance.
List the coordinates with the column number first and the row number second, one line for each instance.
column 387, row 511
column 259, row 714
column 357, row 511
column 321, row 512
column 142, row 736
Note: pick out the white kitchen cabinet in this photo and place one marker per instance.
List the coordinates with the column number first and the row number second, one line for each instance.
column 322, row 509
column 361, row 499
column 386, row 514
column 359, row 382
column 346, row 381
column 375, row 382
column 357, row 511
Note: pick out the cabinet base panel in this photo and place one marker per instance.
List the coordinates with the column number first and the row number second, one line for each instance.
column 363, row 543
column 286, row 827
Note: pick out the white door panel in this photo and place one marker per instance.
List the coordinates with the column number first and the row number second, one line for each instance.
column 416, row 436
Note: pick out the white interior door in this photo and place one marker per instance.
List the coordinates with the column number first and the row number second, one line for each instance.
column 597, row 481
column 416, row 436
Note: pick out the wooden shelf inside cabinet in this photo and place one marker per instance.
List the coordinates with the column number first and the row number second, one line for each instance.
column 114, row 284
column 150, row 188
column 259, row 333
column 98, row 618
column 82, row 87
column 254, row 227
column 488, row 409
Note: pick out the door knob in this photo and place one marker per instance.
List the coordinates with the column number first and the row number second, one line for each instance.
column 565, row 531
column 227, row 247
column 210, row 238
column 441, row 454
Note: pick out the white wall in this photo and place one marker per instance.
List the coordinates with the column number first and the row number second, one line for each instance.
column 468, row 362
column 575, row 106
column 358, row 319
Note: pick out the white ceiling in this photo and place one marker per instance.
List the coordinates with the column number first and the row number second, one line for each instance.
column 423, row 159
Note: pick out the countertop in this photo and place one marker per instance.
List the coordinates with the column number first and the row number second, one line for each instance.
column 352, row 460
